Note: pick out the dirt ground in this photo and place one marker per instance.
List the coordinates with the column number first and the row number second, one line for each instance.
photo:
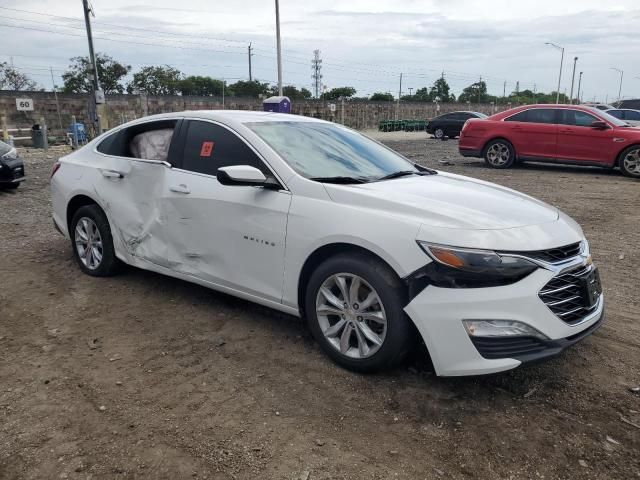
column 143, row 376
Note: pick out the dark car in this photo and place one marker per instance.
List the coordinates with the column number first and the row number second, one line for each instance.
column 11, row 167
column 450, row 124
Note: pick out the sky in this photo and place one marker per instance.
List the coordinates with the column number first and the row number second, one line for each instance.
column 364, row 44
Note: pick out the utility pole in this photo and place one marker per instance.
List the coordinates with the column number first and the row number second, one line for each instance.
column 579, row 85
column 316, row 67
column 479, row 88
column 250, row 54
column 621, row 72
column 399, row 95
column 92, row 58
column 278, row 47
column 534, row 93
column 504, row 90
column 410, row 88
column 558, row 47
column 55, row 93
column 573, row 77
column 518, row 91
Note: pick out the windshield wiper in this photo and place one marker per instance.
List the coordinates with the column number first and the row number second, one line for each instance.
column 404, row 173
column 340, row 180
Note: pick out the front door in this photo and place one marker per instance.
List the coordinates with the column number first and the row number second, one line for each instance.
column 578, row 141
column 228, row 235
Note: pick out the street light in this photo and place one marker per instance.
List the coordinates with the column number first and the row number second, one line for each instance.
column 573, row 77
column 621, row 72
column 558, row 47
column 579, row 85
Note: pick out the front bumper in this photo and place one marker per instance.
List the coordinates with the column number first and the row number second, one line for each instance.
column 438, row 314
column 11, row 171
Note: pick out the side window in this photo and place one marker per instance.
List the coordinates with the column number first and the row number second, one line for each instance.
column 518, row 117
column 146, row 141
column 616, row 113
column 541, row 115
column 463, row 116
column 209, row 146
column 577, row 118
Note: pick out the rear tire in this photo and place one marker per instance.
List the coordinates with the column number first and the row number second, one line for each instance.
column 499, row 154
column 10, row 186
column 629, row 162
column 370, row 330
column 92, row 242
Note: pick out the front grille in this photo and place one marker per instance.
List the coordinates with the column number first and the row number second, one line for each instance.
column 565, row 295
column 554, row 255
column 507, row 347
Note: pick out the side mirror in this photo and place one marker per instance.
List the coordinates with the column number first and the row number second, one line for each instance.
column 599, row 125
column 241, row 175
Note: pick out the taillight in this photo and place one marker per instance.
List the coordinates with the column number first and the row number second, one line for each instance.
column 56, row 167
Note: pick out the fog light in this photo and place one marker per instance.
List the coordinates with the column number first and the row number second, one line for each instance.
column 501, row 328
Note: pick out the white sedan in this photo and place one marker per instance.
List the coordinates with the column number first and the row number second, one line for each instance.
column 319, row 221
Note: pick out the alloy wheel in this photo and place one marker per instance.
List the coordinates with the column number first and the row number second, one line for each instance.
column 498, row 154
column 88, row 243
column 351, row 315
column 438, row 133
column 632, row 162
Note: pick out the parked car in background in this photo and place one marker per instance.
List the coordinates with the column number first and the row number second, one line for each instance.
column 632, row 117
column 599, row 106
column 380, row 252
column 11, row 167
column 450, row 124
column 553, row 133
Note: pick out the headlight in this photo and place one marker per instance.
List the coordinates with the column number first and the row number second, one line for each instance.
column 11, row 154
column 501, row 328
column 466, row 268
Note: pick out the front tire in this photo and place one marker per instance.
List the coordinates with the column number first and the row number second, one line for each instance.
column 499, row 154
column 92, row 242
column 10, row 186
column 630, row 162
column 439, row 133
column 354, row 305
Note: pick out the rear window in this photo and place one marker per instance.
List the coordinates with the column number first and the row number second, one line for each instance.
column 534, row 115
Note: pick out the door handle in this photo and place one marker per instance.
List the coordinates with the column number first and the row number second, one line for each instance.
column 182, row 188
column 112, row 174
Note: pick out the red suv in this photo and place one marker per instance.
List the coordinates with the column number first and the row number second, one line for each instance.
column 553, row 133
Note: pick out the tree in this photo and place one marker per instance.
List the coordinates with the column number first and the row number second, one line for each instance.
column 201, row 86
column 293, row 93
column 441, row 90
column 475, row 93
column 13, row 79
column 156, row 80
column 336, row 93
column 253, row 88
column 381, row 97
column 110, row 74
column 421, row 95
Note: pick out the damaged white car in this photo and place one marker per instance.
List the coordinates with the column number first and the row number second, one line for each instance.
column 319, row 221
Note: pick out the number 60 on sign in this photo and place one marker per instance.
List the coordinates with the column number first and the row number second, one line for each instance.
column 24, row 104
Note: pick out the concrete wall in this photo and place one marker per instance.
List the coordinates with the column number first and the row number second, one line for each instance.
column 360, row 114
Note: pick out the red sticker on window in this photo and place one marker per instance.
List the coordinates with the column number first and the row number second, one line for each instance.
column 207, row 149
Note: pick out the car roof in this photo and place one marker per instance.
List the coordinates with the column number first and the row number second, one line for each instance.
column 234, row 116
column 512, row 111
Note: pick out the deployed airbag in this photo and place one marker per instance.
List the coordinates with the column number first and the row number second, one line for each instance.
column 152, row 145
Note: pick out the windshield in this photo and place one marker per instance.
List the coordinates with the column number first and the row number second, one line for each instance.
column 326, row 150
column 610, row 118
column 480, row 115
column 4, row 148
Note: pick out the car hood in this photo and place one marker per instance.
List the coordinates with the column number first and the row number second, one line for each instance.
column 447, row 201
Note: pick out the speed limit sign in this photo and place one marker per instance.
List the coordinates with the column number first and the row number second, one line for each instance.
column 24, row 104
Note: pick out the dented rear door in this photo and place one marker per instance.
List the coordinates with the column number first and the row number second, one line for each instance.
column 131, row 192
